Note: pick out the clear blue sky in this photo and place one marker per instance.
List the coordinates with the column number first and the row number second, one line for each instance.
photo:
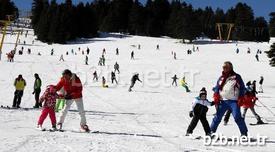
column 260, row 7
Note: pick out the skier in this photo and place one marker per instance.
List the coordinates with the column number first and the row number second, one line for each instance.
column 249, row 102
column 198, row 112
column 37, row 90
column 139, row 46
column 100, row 61
column 184, row 84
column 88, row 51
column 261, row 85
column 73, row 93
column 61, row 58
column 52, row 52
column 248, row 50
column 175, row 55
column 113, row 77
column 19, row 85
column 135, row 78
column 95, row 76
column 29, row 51
column 86, row 60
column 117, row 51
column 157, row 47
column 104, row 85
column 104, row 51
column 198, row 49
column 49, row 98
column 229, row 94
column 174, row 78
column 132, row 55
column 116, row 67
column 237, row 50
column 257, row 57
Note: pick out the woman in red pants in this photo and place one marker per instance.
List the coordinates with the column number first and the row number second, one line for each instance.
column 49, row 99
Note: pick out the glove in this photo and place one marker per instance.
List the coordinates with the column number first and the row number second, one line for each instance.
column 240, row 101
column 191, row 114
column 68, row 97
column 212, row 103
column 216, row 98
column 33, row 92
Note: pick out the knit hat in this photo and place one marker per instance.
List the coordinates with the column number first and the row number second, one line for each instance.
column 203, row 91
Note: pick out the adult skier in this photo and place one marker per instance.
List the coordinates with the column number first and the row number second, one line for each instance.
column 261, row 85
column 132, row 55
column 174, row 78
column 37, row 90
column 229, row 95
column 72, row 86
column 113, row 77
column 19, row 85
column 95, row 76
column 135, row 78
column 116, row 67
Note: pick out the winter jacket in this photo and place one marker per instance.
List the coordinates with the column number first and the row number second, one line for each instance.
column 135, row 78
column 72, row 87
column 233, row 88
column 37, row 84
column 20, row 84
column 49, row 99
column 249, row 98
column 199, row 101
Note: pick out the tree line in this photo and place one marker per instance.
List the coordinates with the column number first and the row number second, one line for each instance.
column 7, row 8
column 60, row 23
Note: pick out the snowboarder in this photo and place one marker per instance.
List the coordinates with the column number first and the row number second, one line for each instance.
column 113, row 77
column 257, row 57
column 135, row 78
column 198, row 112
column 117, row 51
column 95, row 77
column 49, row 98
column 116, row 67
column 132, row 55
column 249, row 102
column 174, row 78
column 19, row 85
column 229, row 95
column 86, row 60
column 37, row 90
column 73, row 93
column 104, row 85
column 184, row 84
column 61, row 58
column 261, row 85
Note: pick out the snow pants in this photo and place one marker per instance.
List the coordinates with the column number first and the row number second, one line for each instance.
column 80, row 108
column 254, row 113
column 232, row 105
column 44, row 115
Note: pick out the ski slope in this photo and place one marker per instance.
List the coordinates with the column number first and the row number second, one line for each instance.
column 152, row 118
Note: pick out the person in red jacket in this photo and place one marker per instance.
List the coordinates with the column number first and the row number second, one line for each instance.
column 249, row 102
column 73, row 93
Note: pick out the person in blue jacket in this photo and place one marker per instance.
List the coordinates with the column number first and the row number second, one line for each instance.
column 229, row 95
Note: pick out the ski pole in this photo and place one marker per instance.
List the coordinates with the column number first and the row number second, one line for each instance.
column 266, row 107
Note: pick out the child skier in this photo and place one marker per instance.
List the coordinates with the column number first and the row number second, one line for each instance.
column 49, row 99
column 198, row 112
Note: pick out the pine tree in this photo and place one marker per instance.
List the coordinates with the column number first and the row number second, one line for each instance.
column 272, row 24
column 7, row 8
column 271, row 55
column 136, row 19
column 261, row 30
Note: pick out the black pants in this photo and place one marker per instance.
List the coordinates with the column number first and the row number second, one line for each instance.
column 174, row 82
column 199, row 114
column 18, row 94
column 36, row 96
column 117, row 70
column 132, row 85
column 114, row 80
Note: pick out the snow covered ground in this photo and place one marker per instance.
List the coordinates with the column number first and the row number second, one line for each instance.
column 154, row 117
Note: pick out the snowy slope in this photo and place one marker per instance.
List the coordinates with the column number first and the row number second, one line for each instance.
column 152, row 118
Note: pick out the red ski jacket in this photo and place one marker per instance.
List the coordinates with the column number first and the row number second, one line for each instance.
column 72, row 87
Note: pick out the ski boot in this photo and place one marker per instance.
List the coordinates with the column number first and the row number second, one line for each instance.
column 84, row 128
column 260, row 122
